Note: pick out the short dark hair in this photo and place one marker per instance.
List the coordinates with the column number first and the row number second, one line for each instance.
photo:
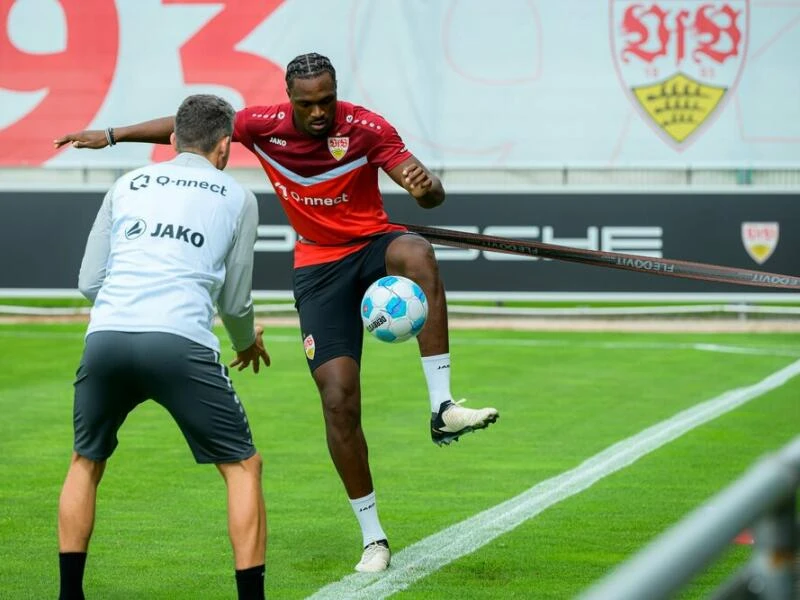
column 202, row 121
column 308, row 65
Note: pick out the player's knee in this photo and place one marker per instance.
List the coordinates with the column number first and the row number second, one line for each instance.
column 341, row 406
column 413, row 256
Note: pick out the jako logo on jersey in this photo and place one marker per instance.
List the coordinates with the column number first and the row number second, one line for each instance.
column 278, row 141
column 679, row 61
column 309, row 347
column 338, row 146
column 135, row 230
column 194, row 238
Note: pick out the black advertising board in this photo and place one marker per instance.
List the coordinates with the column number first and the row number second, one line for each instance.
column 42, row 235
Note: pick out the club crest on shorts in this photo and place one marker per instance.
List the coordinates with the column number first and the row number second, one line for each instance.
column 760, row 240
column 309, row 347
column 338, row 146
column 679, row 61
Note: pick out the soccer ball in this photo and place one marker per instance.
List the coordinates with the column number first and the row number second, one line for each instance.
column 394, row 309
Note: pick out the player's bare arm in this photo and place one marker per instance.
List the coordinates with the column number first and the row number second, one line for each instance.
column 156, row 131
column 418, row 181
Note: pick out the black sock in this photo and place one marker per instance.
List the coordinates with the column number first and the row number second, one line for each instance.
column 71, row 565
column 250, row 583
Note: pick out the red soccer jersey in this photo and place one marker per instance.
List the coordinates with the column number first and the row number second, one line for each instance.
column 328, row 186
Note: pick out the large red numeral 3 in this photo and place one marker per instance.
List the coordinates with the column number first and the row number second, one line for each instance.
column 210, row 57
column 77, row 79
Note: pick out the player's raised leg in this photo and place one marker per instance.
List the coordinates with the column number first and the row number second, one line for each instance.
column 412, row 256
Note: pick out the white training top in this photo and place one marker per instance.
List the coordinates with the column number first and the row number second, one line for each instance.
column 170, row 241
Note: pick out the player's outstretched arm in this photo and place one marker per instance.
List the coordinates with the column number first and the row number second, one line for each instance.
column 417, row 180
column 156, row 131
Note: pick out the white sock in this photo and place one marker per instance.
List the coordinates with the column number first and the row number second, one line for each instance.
column 437, row 374
column 366, row 511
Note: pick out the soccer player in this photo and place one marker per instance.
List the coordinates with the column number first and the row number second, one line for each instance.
column 321, row 155
column 170, row 240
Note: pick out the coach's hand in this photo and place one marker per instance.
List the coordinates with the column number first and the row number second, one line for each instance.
column 90, row 138
column 253, row 354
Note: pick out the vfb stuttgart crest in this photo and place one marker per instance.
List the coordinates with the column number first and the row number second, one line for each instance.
column 679, row 61
column 338, row 146
column 309, row 346
column 760, row 240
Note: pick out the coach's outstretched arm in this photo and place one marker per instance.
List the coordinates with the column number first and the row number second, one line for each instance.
column 156, row 131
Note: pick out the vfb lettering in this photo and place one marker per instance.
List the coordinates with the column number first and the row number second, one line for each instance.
column 711, row 32
column 179, row 232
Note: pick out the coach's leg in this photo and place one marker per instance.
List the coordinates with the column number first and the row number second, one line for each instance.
column 76, row 510
column 247, row 515
column 247, row 524
column 412, row 256
column 76, row 506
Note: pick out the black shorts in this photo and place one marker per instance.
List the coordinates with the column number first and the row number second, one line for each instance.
column 120, row 370
column 328, row 300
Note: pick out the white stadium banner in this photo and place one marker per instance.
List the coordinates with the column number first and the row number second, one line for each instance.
column 469, row 84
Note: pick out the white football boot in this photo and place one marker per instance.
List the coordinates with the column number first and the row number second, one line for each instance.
column 376, row 557
column 452, row 421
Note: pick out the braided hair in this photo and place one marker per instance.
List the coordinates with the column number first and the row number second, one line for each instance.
column 308, row 65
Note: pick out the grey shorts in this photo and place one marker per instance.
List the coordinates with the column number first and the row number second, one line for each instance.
column 120, row 370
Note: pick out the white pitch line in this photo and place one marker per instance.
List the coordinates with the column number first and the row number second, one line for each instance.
column 432, row 553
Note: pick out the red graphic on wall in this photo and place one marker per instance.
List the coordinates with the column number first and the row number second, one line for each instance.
column 75, row 80
column 210, row 57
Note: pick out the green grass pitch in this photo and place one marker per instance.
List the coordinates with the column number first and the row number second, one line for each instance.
column 563, row 397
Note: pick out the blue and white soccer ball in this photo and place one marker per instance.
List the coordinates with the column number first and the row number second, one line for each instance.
column 394, row 309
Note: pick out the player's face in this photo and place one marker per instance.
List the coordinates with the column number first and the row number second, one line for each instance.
column 313, row 103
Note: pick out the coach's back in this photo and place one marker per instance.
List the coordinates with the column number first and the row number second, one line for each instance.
column 173, row 226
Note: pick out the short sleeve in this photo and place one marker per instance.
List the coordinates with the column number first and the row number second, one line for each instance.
column 389, row 149
column 240, row 129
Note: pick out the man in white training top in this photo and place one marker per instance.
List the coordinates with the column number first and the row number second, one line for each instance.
column 171, row 241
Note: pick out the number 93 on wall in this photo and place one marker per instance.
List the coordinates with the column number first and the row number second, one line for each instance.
column 394, row 309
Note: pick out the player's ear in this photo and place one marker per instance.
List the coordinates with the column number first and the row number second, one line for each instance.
column 174, row 141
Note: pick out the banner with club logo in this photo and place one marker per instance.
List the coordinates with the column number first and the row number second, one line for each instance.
column 511, row 84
